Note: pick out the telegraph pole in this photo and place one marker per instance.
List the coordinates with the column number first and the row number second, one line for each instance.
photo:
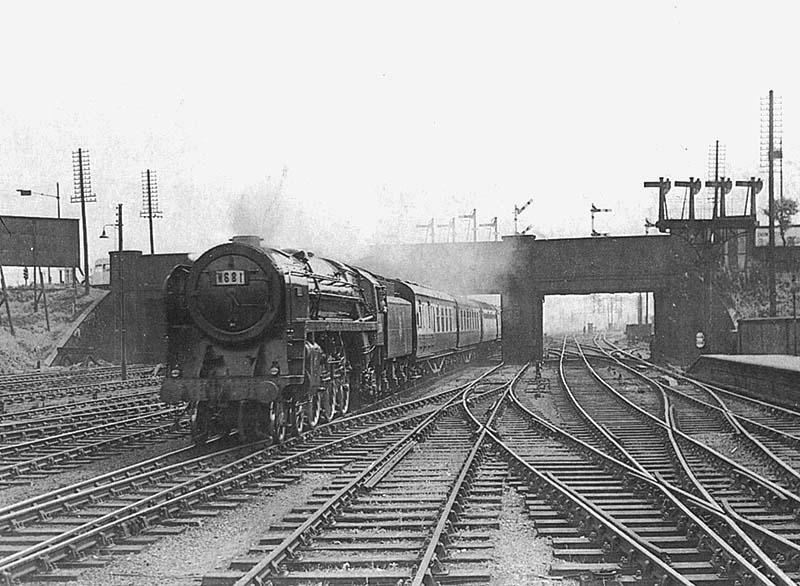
column 150, row 201
column 123, row 353
column 82, row 192
column 771, row 149
column 773, row 304
column 83, row 220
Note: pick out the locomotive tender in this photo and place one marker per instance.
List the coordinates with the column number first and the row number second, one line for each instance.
column 268, row 341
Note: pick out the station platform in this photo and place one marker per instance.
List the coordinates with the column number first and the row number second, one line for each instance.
column 771, row 377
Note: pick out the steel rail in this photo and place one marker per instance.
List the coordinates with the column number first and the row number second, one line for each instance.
column 15, row 449
column 176, row 498
column 731, row 554
column 75, row 494
column 736, row 420
column 11, row 515
column 86, row 405
column 590, row 420
column 379, row 468
column 772, row 489
column 702, row 384
column 28, row 384
column 95, row 389
column 722, row 507
column 38, row 428
column 436, row 550
column 37, row 463
column 91, row 373
column 164, row 504
column 780, row 549
column 650, row 555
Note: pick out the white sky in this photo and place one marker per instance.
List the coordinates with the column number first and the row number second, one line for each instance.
column 377, row 107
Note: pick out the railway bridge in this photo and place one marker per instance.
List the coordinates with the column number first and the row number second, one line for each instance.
column 524, row 270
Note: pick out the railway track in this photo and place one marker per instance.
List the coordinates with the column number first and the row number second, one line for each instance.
column 762, row 508
column 53, row 532
column 382, row 520
column 776, row 428
column 52, row 421
column 755, row 435
column 146, row 394
column 17, row 402
column 416, row 491
column 442, row 536
column 676, row 526
column 55, row 379
column 35, row 458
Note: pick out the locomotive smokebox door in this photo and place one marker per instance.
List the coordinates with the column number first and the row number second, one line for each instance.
column 313, row 366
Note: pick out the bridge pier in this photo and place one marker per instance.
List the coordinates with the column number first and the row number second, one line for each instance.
column 523, row 321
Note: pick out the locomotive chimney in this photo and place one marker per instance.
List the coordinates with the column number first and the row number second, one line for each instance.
column 250, row 240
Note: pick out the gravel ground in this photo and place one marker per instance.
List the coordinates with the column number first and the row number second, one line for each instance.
column 520, row 556
column 182, row 560
column 14, row 494
column 446, row 381
column 727, row 445
column 538, row 395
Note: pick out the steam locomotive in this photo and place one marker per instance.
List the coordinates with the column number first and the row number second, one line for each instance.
column 272, row 341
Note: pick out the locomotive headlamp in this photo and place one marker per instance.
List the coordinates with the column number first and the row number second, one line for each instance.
column 274, row 370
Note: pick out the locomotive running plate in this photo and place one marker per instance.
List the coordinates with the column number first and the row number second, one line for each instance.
column 229, row 277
